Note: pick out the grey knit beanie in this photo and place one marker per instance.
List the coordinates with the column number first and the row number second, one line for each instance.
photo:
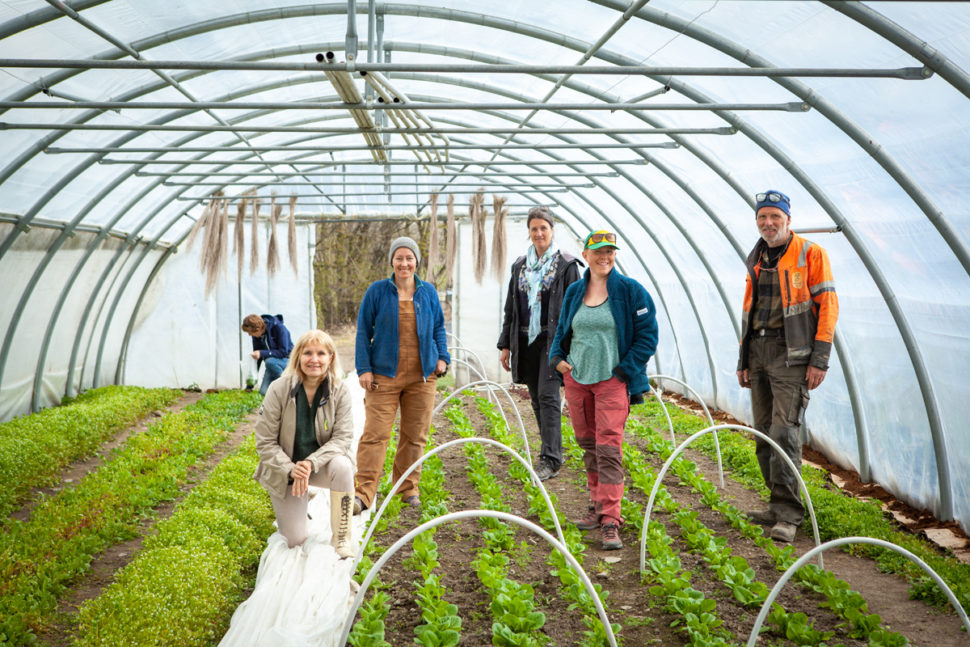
column 403, row 241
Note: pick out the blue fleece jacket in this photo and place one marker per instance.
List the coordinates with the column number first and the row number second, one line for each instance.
column 636, row 327
column 275, row 341
column 377, row 334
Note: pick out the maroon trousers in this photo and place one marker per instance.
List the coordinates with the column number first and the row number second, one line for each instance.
column 598, row 413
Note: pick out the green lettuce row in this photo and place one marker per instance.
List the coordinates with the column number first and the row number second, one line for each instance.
column 571, row 585
column 184, row 585
column 49, row 440
column 40, row 556
column 838, row 514
column 516, row 621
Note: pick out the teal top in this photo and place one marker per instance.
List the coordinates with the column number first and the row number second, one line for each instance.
column 594, row 351
column 305, row 438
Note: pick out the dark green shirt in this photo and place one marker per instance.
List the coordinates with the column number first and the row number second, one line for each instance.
column 305, row 439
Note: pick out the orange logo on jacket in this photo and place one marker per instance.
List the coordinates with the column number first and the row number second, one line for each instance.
column 796, row 280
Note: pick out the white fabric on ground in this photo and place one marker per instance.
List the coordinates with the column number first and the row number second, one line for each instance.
column 302, row 594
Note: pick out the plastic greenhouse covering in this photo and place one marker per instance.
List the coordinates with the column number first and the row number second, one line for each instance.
column 122, row 119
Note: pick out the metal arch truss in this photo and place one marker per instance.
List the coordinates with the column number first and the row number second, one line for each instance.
column 866, row 17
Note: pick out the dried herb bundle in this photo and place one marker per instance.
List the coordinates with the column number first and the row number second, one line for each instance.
column 499, row 243
column 433, row 243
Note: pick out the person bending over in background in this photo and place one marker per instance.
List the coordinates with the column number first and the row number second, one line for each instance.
column 400, row 346
column 787, row 327
column 539, row 281
column 271, row 344
column 304, row 435
column 606, row 335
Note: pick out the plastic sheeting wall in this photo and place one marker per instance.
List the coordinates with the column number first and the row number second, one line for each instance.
column 182, row 337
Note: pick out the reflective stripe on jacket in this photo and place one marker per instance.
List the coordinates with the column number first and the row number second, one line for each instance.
column 811, row 306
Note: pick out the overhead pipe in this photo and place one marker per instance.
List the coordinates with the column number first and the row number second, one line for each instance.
column 60, row 150
column 902, row 73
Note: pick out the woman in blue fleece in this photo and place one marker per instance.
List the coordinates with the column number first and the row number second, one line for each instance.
column 400, row 350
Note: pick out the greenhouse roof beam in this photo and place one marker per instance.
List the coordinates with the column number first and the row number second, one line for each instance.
column 532, row 130
column 903, row 73
column 418, row 174
column 58, row 150
column 80, row 104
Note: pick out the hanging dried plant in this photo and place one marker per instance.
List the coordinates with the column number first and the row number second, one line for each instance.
column 433, row 243
column 291, row 236
column 451, row 241
column 254, row 235
column 202, row 221
column 273, row 251
column 499, row 244
column 477, row 213
column 239, row 236
column 217, row 245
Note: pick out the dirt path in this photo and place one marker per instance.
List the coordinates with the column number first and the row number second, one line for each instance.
column 104, row 566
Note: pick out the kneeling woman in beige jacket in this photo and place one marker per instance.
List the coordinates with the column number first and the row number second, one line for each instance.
column 304, row 436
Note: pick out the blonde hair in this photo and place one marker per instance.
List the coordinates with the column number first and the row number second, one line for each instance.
column 314, row 338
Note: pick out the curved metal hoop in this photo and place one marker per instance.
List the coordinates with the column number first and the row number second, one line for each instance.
column 470, row 514
column 683, row 446
column 417, row 463
column 515, row 408
column 670, row 423
column 710, row 419
column 839, row 542
column 491, row 390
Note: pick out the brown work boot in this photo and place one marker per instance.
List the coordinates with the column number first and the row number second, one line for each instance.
column 591, row 521
column 783, row 531
column 610, row 531
column 764, row 517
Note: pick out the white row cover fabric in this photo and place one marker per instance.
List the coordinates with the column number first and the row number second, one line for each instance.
column 303, row 594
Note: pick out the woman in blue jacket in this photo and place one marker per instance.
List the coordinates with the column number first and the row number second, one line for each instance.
column 607, row 333
column 400, row 348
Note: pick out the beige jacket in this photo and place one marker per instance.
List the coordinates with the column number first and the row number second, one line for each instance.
column 276, row 428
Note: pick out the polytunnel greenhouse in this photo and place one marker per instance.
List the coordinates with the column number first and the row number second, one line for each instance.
column 172, row 167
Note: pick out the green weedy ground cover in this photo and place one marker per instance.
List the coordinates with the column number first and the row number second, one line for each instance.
column 839, row 514
column 188, row 579
column 64, row 434
column 40, row 556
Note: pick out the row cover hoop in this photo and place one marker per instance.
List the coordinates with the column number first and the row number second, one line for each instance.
column 490, row 383
column 683, row 446
column 776, row 590
column 467, row 514
column 457, row 441
column 710, row 419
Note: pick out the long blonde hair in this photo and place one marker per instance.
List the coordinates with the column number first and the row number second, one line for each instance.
column 315, row 338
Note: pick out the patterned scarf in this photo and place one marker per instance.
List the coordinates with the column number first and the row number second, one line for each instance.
column 536, row 275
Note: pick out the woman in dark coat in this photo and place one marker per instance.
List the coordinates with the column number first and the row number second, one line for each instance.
column 539, row 280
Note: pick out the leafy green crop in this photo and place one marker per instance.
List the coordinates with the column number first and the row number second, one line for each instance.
column 61, row 435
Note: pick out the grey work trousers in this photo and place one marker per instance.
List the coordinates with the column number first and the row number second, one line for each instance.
column 543, row 383
column 337, row 474
column 779, row 396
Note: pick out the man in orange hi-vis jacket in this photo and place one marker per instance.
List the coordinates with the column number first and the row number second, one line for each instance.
column 787, row 327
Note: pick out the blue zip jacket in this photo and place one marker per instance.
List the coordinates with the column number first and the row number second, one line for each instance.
column 377, row 335
column 636, row 328
column 275, row 342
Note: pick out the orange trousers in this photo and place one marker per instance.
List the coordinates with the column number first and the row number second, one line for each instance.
column 414, row 395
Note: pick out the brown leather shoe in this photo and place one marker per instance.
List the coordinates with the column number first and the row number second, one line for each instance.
column 590, row 522
column 783, row 531
column 414, row 501
column 611, row 535
column 762, row 517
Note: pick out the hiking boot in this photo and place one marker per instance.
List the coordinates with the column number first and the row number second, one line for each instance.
column 545, row 470
column 610, row 531
column 358, row 505
column 762, row 517
column 414, row 501
column 591, row 521
column 783, row 531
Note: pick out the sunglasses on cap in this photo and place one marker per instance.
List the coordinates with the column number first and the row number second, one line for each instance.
column 599, row 238
column 771, row 196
